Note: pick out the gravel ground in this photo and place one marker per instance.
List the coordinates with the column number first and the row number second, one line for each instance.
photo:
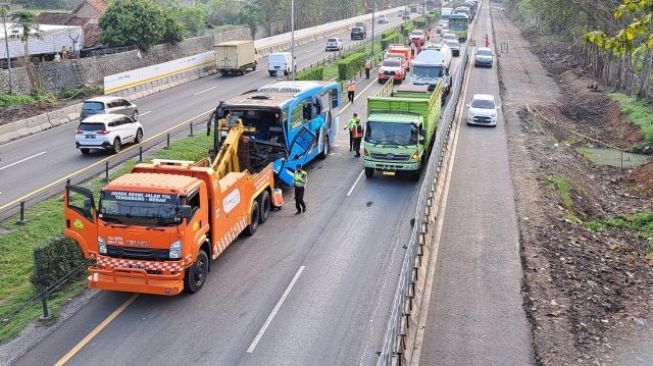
column 587, row 293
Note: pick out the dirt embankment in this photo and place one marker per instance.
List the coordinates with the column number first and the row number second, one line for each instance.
column 588, row 294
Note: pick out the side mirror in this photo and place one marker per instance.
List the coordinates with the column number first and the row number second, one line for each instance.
column 469, row 105
column 88, row 205
column 186, row 212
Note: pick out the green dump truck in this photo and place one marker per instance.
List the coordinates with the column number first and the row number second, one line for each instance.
column 400, row 129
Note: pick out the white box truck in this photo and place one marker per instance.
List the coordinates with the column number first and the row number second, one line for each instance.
column 235, row 57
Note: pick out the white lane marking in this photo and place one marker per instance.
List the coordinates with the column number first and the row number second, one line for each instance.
column 23, row 160
column 358, row 96
column 144, row 113
column 275, row 310
column 351, row 190
column 204, row 91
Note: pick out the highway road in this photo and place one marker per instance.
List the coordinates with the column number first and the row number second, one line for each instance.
column 475, row 315
column 314, row 289
column 35, row 161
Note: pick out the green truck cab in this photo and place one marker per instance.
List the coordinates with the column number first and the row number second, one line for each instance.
column 400, row 129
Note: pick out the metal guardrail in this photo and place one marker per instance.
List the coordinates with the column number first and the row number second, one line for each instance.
column 402, row 304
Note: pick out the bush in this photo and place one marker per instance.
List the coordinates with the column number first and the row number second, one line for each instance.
column 420, row 22
column 350, row 65
column 83, row 91
column 406, row 28
column 315, row 73
column 53, row 260
column 37, row 97
column 390, row 38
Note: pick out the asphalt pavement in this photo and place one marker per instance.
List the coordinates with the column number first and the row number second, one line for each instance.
column 35, row 161
column 475, row 315
column 314, row 289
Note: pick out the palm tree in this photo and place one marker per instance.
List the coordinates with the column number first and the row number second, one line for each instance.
column 26, row 26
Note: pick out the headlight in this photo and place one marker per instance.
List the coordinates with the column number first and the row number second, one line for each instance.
column 102, row 244
column 415, row 155
column 175, row 250
column 494, row 114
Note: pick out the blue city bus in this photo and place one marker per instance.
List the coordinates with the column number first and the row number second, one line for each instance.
column 458, row 24
column 293, row 123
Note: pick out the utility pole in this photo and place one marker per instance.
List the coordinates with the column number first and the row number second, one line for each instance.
column 373, row 9
column 5, row 10
column 292, row 39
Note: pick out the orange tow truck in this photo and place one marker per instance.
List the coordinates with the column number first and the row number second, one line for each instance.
column 156, row 229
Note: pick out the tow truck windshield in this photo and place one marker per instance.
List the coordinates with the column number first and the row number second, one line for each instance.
column 140, row 208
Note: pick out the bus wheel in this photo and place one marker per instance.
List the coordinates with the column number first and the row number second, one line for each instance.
column 255, row 217
column 196, row 275
column 265, row 206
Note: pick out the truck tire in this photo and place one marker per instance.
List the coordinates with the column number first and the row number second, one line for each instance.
column 272, row 73
column 369, row 173
column 255, row 217
column 265, row 206
column 196, row 275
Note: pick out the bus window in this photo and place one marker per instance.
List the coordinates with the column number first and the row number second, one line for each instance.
column 296, row 117
column 334, row 98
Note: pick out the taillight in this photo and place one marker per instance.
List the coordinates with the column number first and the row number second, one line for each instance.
column 103, row 132
column 79, row 132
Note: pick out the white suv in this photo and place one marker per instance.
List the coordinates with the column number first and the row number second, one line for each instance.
column 107, row 132
column 482, row 110
column 334, row 44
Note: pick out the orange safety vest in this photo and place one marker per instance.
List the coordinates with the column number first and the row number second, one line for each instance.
column 351, row 87
column 358, row 131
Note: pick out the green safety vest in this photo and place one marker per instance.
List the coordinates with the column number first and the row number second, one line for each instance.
column 351, row 123
column 300, row 178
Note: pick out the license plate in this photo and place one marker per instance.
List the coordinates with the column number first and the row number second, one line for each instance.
column 90, row 136
column 389, row 173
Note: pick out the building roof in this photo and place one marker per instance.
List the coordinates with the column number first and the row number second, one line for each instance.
column 47, row 17
column 99, row 5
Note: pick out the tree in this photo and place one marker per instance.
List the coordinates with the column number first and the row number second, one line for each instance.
column 26, row 26
column 174, row 32
column 222, row 12
column 193, row 18
column 633, row 43
column 252, row 17
column 133, row 22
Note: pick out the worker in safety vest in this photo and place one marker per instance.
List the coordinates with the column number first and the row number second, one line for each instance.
column 351, row 89
column 300, row 183
column 358, row 136
column 350, row 126
column 368, row 66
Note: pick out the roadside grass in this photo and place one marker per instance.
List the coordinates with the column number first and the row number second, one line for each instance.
column 37, row 97
column 638, row 112
column 83, row 91
column 45, row 220
column 641, row 223
column 564, row 188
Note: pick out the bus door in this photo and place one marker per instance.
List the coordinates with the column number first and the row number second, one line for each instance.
column 299, row 148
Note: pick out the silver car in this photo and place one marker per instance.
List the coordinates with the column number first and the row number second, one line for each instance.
column 109, row 105
column 483, row 57
column 454, row 45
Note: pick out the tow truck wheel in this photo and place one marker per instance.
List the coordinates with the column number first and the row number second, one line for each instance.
column 255, row 216
column 196, row 275
column 265, row 206
column 369, row 172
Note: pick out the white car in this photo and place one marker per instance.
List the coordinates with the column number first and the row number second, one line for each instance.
column 382, row 19
column 448, row 35
column 483, row 57
column 334, row 44
column 454, row 45
column 482, row 110
column 107, row 132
